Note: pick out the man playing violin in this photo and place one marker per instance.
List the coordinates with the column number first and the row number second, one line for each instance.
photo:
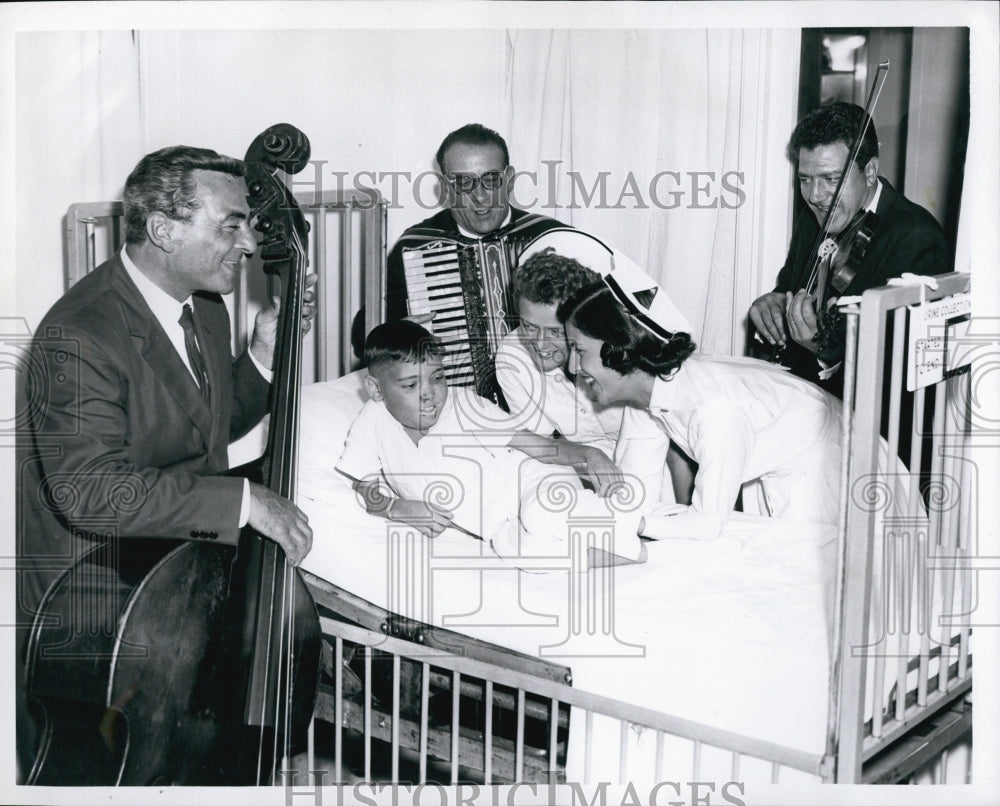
column 877, row 232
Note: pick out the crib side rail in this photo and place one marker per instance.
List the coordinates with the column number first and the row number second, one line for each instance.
column 93, row 232
column 901, row 651
column 349, row 253
column 503, row 758
column 335, row 602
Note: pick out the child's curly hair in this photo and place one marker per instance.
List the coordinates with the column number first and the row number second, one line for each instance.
column 547, row 278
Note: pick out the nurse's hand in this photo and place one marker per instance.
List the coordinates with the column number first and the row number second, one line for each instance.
column 602, row 473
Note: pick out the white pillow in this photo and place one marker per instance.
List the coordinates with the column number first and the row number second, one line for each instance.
column 328, row 409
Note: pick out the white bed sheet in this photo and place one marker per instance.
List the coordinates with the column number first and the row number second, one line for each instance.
column 732, row 633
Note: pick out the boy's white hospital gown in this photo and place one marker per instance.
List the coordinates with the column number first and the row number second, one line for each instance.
column 464, row 464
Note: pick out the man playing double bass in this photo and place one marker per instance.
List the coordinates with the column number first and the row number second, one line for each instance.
column 899, row 236
column 136, row 395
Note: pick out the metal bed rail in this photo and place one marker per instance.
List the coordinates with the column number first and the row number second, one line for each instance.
column 465, row 750
column 902, row 634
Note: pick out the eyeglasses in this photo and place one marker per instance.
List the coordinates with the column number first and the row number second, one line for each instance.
column 532, row 331
column 468, row 183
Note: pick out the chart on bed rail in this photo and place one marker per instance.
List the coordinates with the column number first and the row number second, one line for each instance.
column 936, row 328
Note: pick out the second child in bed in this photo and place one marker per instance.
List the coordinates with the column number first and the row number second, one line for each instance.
column 431, row 456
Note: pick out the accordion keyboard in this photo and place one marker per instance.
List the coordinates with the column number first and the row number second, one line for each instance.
column 441, row 279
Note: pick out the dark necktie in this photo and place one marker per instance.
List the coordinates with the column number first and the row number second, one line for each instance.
column 194, row 354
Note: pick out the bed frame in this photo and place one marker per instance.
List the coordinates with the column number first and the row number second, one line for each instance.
column 933, row 429
column 402, row 701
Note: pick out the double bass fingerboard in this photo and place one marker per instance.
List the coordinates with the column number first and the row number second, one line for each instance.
column 468, row 287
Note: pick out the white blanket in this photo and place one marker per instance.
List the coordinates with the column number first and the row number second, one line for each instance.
column 731, row 633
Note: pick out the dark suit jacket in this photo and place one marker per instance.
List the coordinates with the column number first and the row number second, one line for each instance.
column 908, row 239
column 122, row 441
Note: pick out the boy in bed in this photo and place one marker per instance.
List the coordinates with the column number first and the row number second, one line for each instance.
column 452, row 458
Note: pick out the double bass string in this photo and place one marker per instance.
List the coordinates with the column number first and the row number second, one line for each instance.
column 282, row 669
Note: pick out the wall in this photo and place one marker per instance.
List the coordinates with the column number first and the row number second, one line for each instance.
column 937, row 130
column 376, row 102
column 355, row 93
column 77, row 112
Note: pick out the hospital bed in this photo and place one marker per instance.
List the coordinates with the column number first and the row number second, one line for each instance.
column 782, row 652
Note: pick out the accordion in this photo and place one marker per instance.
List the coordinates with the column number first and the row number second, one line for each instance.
column 467, row 286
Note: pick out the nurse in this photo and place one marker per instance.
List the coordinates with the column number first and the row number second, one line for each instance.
column 740, row 419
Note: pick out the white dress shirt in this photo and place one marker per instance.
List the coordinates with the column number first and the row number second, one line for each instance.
column 165, row 308
column 476, row 236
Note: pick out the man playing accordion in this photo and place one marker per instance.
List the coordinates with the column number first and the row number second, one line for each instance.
column 477, row 224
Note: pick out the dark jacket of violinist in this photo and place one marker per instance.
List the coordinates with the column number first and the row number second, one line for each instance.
column 877, row 232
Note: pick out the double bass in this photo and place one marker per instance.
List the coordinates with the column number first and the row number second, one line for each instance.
column 210, row 673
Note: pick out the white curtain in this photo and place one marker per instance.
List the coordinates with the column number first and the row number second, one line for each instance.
column 78, row 136
column 686, row 130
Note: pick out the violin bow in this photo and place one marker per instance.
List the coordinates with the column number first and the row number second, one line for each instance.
column 824, row 253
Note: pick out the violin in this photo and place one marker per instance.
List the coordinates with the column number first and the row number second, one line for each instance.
column 856, row 237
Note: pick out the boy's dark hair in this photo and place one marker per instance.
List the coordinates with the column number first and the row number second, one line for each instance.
column 626, row 344
column 472, row 134
column 400, row 340
column 547, row 278
column 834, row 123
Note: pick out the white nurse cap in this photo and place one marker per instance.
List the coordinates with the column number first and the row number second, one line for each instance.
column 635, row 289
column 645, row 300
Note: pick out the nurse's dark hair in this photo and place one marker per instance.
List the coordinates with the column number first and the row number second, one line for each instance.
column 400, row 340
column 626, row 344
